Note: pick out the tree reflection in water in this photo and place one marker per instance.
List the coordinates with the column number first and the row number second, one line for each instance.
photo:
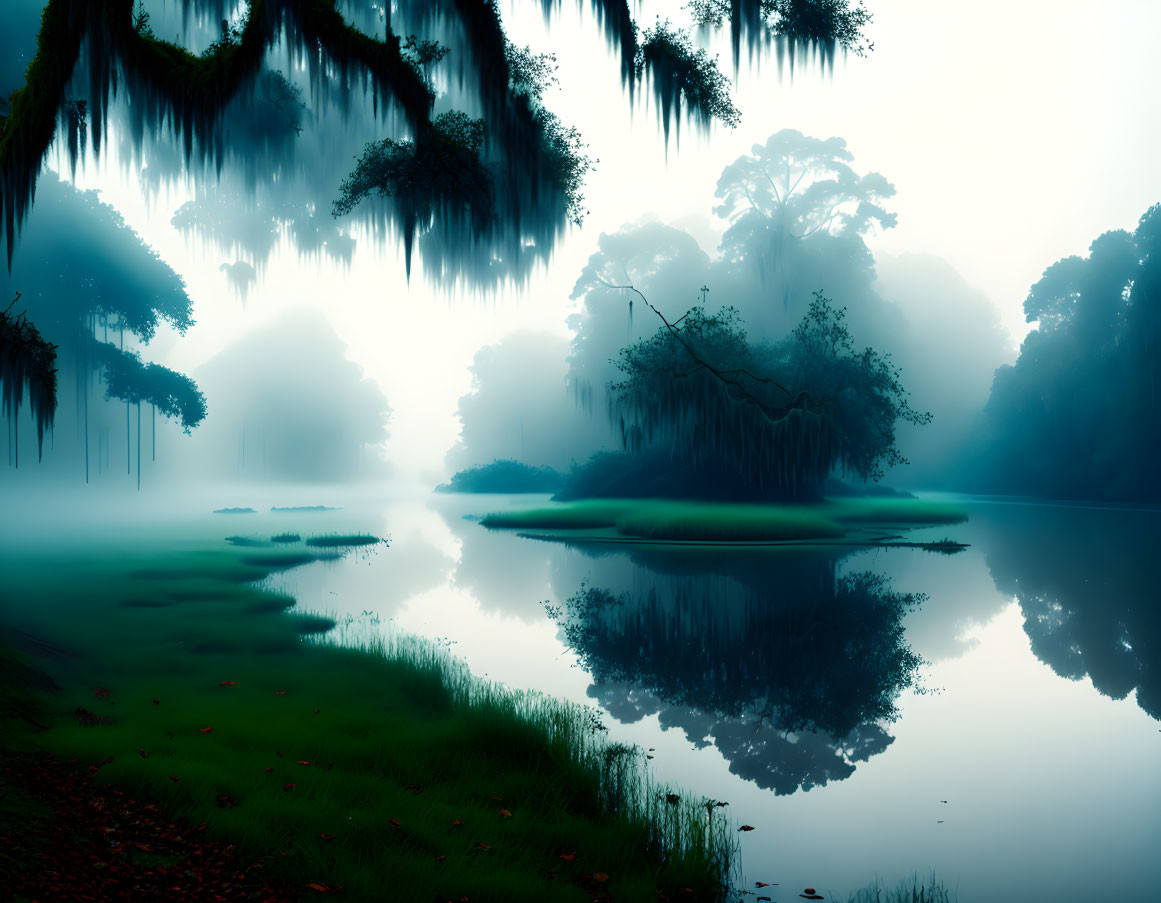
column 791, row 669
column 1087, row 583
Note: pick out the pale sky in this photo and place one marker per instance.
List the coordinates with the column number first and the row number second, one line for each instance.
column 1015, row 132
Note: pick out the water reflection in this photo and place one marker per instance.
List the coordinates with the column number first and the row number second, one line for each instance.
column 1087, row 583
column 792, row 671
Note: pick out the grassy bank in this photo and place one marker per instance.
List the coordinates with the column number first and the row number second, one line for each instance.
column 652, row 519
column 382, row 767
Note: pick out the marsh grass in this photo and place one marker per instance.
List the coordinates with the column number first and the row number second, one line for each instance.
column 911, row 890
column 352, row 757
column 342, row 541
column 286, row 538
column 655, row 519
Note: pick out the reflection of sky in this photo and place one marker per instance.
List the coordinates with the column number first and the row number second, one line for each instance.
column 1051, row 787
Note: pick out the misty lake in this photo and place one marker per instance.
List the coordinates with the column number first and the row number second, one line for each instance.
column 991, row 716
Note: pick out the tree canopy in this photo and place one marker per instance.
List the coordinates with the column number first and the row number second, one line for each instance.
column 90, row 55
column 1077, row 415
column 782, row 415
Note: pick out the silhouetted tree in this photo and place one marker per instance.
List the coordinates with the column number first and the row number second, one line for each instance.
column 792, row 198
column 783, row 415
column 1077, row 415
column 90, row 280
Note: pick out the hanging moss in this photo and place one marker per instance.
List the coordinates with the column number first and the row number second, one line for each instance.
column 439, row 175
column 810, row 26
column 782, row 416
column 27, row 364
column 130, row 380
column 684, row 81
column 171, row 89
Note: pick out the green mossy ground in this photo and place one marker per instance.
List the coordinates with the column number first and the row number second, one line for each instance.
column 704, row 522
column 387, row 767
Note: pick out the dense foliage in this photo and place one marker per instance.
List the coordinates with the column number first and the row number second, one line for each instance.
column 27, row 363
column 781, row 415
column 99, row 295
column 1078, row 415
column 503, row 476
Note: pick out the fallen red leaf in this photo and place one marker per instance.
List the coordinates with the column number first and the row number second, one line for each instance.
column 326, row 836
column 505, row 813
column 269, row 769
column 568, row 857
column 303, row 762
column 279, row 692
column 206, row 730
column 395, row 823
column 321, row 888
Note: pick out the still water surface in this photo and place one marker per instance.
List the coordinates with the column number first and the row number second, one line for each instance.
column 992, row 716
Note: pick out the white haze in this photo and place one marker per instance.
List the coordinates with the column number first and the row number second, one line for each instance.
column 1014, row 132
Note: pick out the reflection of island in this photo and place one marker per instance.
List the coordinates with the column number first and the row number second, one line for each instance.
column 1087, row 582
column 792, row 670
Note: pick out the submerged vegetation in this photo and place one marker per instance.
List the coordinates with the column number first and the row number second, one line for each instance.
column 347, row 767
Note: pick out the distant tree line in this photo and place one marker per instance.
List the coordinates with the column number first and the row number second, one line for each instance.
column 1079, row 413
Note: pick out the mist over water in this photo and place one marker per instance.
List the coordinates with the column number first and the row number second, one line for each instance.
column 801, row 366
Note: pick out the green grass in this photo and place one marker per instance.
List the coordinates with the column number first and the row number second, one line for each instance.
column 654, row 519
column 342, row 541
column 421, row 777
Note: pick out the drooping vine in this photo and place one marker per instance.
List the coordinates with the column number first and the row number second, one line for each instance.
column 27, row 365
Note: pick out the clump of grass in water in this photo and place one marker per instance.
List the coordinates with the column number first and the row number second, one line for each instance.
column 246, row 541
column 286, row 538
column 343, row 541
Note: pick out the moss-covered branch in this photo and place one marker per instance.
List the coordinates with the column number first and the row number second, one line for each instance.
column 27, row 363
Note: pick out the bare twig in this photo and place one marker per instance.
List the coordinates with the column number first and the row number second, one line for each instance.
column 722, row 375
